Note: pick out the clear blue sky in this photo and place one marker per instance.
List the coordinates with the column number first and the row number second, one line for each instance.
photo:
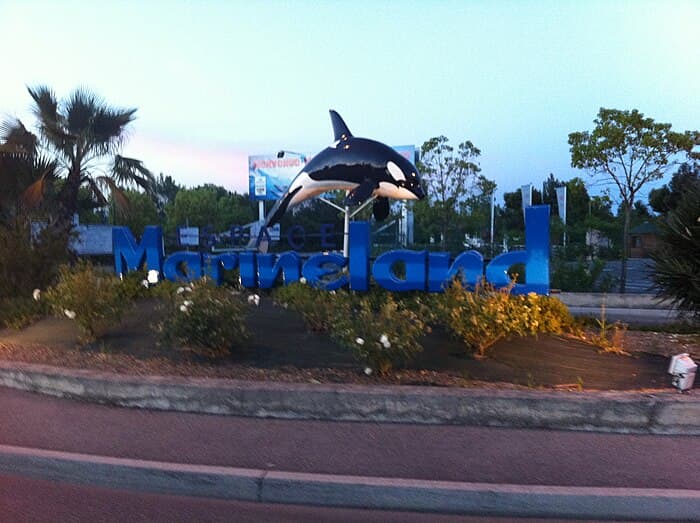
column 216, row 81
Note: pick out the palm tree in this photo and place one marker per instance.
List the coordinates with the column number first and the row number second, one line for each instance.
column 85, row 136
column 25, row 174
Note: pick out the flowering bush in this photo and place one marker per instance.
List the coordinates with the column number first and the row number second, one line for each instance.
column 486, row 315
column 381, row 331
column 206, row 319
column 318, row 307
column 93, row 298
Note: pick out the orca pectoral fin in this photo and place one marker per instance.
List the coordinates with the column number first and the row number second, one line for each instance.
column 276, row 213
column 380, row 209
column 360, row 193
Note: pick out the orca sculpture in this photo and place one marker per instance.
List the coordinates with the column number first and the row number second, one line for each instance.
column 364, row 167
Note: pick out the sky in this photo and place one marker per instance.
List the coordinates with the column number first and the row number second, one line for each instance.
column 215, row 82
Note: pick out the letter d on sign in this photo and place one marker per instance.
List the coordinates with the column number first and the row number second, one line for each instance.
column 535, row 257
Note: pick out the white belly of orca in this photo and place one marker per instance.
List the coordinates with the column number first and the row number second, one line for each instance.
column 389, row 190
column 310, row 187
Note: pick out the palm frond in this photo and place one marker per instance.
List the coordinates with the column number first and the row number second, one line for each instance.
column 94, row 185
column 129, row 171
column 80, row 110
column 16, row 138
column 118, row 195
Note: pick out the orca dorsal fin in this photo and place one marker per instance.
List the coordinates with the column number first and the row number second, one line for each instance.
column 340, row 130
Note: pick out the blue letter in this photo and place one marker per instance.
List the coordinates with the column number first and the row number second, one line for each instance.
column 535, row 256
column 321, row 265
column 326, row 232
column 415, row 262
column 238, row 235
column 128, row 256
column 440, row 274
column 358, row 245
column 269, row 267
column 290, row 237
column 248, row 269
column 173, row 270
column 214, row 263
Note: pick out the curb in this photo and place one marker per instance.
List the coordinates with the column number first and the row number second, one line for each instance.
column 657, row 412
column 353, row 491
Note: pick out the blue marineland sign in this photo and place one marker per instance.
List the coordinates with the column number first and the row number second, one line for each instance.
column 368, row 171
column 424, row 271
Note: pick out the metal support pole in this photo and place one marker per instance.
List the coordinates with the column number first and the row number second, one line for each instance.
column 493, row 203
column 346, row 232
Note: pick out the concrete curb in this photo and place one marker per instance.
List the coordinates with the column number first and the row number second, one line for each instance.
column 625, row 412
column 353, row 491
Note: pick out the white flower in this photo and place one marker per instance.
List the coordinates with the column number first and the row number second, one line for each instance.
column 254, row 299
column 183, row 308
column 36, row 294
column 69, row 313
column 332, row 292
column 153, row 276
column 187, row 303
column 188, row 288
column 368, row 371
column 384, row 340
column 144, row 283
column 359, row 341
column 302, row 280
column 180, row 290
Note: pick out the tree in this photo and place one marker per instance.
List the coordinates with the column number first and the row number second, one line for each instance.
column 666, row 198
column 85, row 136
column 140, row 212
column 631, row 151
column 449, row 176
column 677, row 261
column 209, row 206
column 22, row 170
column 477, row 208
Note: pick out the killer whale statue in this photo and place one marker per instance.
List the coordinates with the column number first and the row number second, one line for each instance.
column 364, row 167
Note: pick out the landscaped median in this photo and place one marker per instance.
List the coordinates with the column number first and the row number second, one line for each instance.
column 657, row 412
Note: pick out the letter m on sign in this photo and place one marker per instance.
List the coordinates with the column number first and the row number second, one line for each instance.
column 128, row 256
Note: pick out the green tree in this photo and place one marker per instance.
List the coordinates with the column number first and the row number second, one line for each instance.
column 631, row 151
column 25, row 174
column 677, row 261
column 209, row 206
column 450, row 176
column 140, row 212
column 477, row 208
column 85, row 136
column 666, row 198
column 165, row 190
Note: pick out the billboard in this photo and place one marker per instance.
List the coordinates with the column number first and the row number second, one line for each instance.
column 269, row 176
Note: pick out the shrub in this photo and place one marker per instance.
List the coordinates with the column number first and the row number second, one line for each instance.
column 28, row 262
column 677, row 267
column 17, row 313
column 578, row 276
column 486, row 315
column 206, row 319
column 319, row 308
column 92, row 297
column 382, row 332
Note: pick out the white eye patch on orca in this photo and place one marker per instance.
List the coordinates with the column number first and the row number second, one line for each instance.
column 395, row 172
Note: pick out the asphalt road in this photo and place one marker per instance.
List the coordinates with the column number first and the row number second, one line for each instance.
column 453, row 453
column 25, row 500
